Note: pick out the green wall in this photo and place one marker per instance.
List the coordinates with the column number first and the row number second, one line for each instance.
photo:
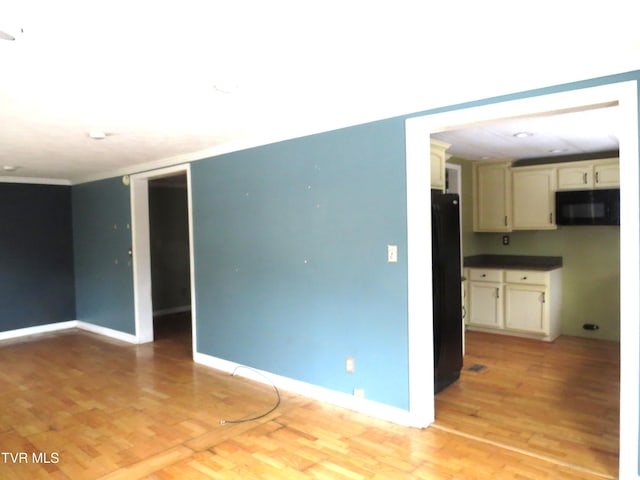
column 591, row 259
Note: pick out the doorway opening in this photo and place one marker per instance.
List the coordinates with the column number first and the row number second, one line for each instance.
column 169, row 245
column 418, row 131
column 162, row 234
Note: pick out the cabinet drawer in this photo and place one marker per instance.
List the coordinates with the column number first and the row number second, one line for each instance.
column 527, row 277
column 485, row 275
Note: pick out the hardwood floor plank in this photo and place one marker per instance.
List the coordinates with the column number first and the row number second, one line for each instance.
column 115, row 411
column 557, row 400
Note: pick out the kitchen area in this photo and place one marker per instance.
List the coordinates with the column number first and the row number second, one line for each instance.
column 540, row 242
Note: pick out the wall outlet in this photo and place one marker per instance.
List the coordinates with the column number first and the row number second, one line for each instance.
column 350, row 365
column 505, row 239
column 392, row 253
column 358, row 392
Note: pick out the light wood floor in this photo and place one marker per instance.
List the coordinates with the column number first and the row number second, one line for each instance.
column 555, row 400
column 115, row 411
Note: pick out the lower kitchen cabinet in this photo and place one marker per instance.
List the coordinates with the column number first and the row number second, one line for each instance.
column 515, row 302
column 525, row 308
column 485, row 304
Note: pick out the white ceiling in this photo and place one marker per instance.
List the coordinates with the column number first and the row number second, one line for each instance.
column 589, row 131
column 155, row 76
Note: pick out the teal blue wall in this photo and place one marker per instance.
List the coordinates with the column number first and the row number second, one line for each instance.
column 290, row 245
column 102, row 239
column 36, row 256
column 334, row 200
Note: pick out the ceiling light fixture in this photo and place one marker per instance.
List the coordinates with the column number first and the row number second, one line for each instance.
column 10, row 168
column 226, row 87
column 523, row 134
column 11, row 35
column 97, row 135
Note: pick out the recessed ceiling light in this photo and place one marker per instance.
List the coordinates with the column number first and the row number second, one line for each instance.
column 523, row 134
column 10, row 168
column 558, row 150
column 97, row 135
column 226, row 87
column 10, row 34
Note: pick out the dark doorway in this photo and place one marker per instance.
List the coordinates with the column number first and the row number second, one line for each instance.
column 169, row 246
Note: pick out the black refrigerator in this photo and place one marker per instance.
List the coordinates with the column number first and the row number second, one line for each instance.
column 447, row 302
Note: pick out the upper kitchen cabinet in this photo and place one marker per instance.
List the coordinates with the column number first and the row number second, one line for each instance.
column 606, row 173
column 438, row 160
column 534, row 198
column 589, row 174
column 492, row 197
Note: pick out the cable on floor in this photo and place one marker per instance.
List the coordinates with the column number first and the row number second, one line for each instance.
column 262, row 415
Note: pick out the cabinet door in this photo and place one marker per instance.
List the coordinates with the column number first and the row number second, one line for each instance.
column 607, row 175
column 485, row 304
column 576, row 177
column 533, row 199
column 437, row 170
column 438, row 160
column 492, row 198
column 525, row 308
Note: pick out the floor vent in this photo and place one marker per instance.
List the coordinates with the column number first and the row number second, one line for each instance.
column 476, row 367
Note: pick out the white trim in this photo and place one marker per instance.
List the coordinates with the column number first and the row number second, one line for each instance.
column 629, row 261
column 141, row 261
column 69, row 325
column 192, row 264
column 107, row 332
column 420, row 308
column 143, row 305
column 50, row 327
column 35, row 180
column 418, row 130
column 344, row 400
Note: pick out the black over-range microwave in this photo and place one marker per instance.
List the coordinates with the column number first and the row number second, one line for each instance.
column 588, row 207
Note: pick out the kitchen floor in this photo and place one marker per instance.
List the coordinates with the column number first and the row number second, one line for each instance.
column 556, row 401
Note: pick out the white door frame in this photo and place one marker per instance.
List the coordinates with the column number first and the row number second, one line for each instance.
column 418, row 131
column 143, row 305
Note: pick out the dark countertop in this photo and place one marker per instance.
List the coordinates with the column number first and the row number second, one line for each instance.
column 516, row 262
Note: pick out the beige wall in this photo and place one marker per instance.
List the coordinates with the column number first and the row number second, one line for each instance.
column 591, row 257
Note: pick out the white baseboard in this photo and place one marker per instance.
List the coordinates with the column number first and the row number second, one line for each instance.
column 51, row 327
column 107, row 332
column 172, row 310
column 340, row 399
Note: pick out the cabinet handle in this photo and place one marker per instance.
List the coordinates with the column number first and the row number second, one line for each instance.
column 597, row 177
column 484, row 275
column 584, row 178
column 505, row 221
column 550, row 217
column 523, row 278
column 497, row 292
column 544, row 299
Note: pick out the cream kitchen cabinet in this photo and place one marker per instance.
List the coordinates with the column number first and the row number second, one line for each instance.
column 529, row 305
column 438, row 161
column 589, row 174
column 485, row 298
column 515, row 302
column 492, row 197
column 606, row 173
column 534, row 198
